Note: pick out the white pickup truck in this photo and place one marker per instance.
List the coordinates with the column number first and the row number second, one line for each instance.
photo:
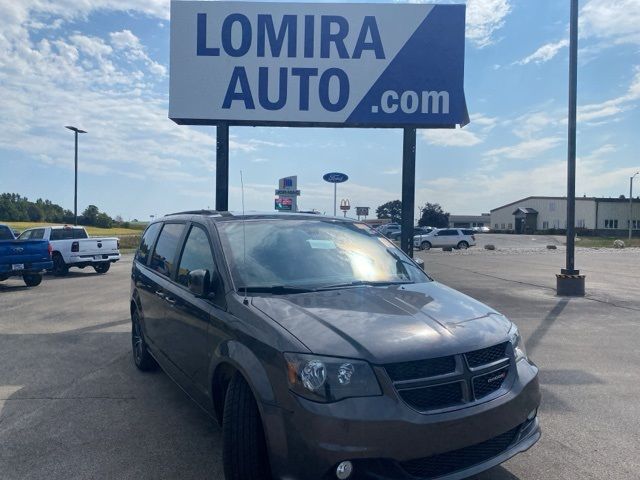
column 72, row 247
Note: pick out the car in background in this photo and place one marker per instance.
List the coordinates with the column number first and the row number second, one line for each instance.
column 72, row 247
column 459, row 238
column 481, row 229
column 23, row 258
column 388, row 228
column 325, row 352
column 416, row 231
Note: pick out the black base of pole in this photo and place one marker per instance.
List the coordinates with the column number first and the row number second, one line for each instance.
column 570, row 285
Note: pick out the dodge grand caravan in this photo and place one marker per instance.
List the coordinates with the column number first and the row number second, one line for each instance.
column 325, row 352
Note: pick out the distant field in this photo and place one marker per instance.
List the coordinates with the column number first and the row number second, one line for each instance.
column 93, row 231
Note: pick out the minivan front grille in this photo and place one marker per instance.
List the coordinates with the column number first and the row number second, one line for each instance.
column 434, row 397
column 456, row 460
column 421, row 369
column 452, row 381
column 486, row 355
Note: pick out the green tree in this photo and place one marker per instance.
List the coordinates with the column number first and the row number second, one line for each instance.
column 103, row 221
column 433, row 216
column 391, row 210
column 90, row 215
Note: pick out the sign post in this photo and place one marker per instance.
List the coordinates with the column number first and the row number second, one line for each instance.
column 222, row 167
column 408, row 189
column 335, row 178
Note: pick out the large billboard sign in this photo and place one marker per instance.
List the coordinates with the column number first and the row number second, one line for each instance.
column 317, row 64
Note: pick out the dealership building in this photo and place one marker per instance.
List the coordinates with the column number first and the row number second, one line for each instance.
column 540, row 214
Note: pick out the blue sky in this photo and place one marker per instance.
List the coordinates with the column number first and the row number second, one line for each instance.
column 103, row 65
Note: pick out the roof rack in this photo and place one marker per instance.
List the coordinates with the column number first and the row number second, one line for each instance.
column 198, row 212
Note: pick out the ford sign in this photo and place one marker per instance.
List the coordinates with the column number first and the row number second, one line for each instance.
column 335, row 177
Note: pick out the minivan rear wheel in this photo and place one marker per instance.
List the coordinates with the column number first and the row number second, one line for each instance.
column 244, row 449
column 141, row 356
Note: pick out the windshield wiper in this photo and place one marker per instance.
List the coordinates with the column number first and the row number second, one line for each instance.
column 371, row 283
column 275, row 289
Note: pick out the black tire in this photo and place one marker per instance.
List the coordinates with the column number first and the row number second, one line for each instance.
column 244, row 450
column 141, row 356
column 463, row 245
column 32, row 279
column 102, row 267
column 425, row 245
column 60, row 268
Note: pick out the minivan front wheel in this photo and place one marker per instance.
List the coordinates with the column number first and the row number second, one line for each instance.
column 244, row 450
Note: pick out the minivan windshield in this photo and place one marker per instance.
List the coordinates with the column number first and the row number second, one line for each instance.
column 292, row 256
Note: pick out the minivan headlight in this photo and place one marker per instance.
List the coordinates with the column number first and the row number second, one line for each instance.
column 518, row 344
column 329, row 379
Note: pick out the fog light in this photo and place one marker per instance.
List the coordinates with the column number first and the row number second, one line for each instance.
column 344, row 470
column 532, row 414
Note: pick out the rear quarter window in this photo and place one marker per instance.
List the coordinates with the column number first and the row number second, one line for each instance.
column 148, row 239
column 467, row 232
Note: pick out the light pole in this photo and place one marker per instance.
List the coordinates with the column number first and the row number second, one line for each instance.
column 631, row 203
column 76, row 131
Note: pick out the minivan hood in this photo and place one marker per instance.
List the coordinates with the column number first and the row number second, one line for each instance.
column 387, row 324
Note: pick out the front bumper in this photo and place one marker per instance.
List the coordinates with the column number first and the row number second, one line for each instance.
column 382, row 435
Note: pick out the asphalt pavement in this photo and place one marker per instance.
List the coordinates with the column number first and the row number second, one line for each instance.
column 73, row 406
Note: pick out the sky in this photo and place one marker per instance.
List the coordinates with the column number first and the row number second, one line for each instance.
column 103, row 65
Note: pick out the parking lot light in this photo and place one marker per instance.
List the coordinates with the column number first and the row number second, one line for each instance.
column 76, row 131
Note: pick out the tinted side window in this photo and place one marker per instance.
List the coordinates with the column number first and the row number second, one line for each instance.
column 25, row 235
column 468, row 232
column 448, row 233
column 146, row 243
column 163, row 258
column 5, row 233
column 196, row 255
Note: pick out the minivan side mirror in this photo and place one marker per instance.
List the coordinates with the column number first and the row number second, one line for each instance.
column 202, row 282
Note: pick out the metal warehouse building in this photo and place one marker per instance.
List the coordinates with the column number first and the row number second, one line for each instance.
column 541, row 214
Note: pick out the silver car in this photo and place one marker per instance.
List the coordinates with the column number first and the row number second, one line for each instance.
column 459, row 238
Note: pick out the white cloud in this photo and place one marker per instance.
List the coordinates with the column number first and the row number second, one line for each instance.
column 484, row 18
column 544, row 53
column 133, row 50
column 527, row 149
column 618, row 21
column 451, row 137
column 610, row 108
column 469, row 136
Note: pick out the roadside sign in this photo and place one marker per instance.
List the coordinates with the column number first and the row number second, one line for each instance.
column 317, row 64
column 344, row 205
column 335, row 177
column 284, row 203
column 362, row 211
column 287, row 192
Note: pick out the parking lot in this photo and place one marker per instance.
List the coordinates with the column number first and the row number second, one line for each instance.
column 72, row 404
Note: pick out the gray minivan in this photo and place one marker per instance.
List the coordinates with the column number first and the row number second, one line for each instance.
column 325, row 352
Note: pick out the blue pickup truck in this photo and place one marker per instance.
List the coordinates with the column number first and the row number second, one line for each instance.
column 24, row 258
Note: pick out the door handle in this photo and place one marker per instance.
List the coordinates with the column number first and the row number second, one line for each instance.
column 171, row 301
column 160, row 294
